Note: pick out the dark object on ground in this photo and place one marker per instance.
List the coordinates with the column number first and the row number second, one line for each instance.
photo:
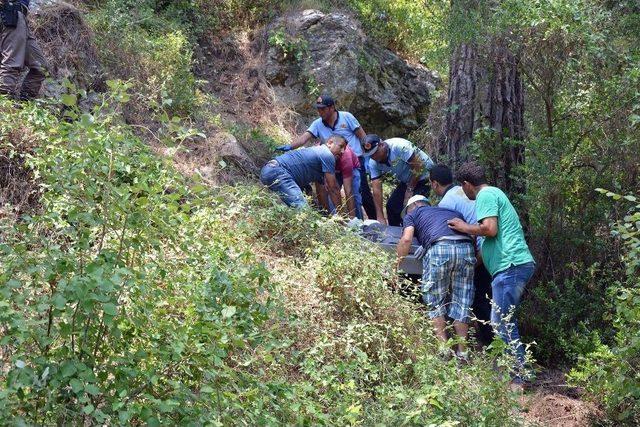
column 482, row 305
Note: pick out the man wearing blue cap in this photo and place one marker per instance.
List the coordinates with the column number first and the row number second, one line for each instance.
column 19, row 49
column 334, row 122
column 447, row 275
column 407, row 163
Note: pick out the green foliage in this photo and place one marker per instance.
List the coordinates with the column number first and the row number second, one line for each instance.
column 120, row 301
column 415, row 28
column 292, row 48
column 610, row 373
column 569, row 317
column 152, row 50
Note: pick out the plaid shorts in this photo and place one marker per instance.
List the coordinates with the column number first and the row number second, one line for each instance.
column 447, row 279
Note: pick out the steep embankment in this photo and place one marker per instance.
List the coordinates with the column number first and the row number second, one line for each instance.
column 132, row 295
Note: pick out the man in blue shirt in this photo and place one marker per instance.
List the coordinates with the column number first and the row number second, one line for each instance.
column 288, row 173
column 408, row 164
column 334, row 122
column 454, row 198
column 19, row 49
column 447, row 278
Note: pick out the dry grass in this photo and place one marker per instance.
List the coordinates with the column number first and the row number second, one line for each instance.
column 67, row 42
column 18, row 189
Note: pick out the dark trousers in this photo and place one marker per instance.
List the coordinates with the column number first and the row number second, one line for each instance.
column 395, row 204
column 482, row 304
column 367, row 198
column 19, row 49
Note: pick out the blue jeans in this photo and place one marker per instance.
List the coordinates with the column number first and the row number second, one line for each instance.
column 278, row 179
column 355, row 188
column 507, row 287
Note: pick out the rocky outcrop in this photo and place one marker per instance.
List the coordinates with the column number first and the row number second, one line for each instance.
column 309, row 52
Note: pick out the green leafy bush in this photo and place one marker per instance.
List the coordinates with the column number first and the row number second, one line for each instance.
column 611, row 373
column 120, row 301
column 152, row 50
column 413, row 28
column 134, row 296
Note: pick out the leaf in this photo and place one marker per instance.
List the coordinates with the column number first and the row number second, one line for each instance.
column 88, row 409
column 76, row 385
column 222, row 163
column 110, row 309
column 59, row 301
column 69, row 369
column 228, row 311
column 92, row 390
column 68, row 100
column 631, row 198
column 87, row 120
column 206, row 389
column 20, row 364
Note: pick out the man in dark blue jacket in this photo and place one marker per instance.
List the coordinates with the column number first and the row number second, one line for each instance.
column 447, row 275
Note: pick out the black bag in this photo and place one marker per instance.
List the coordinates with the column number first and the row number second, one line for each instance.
column 9, row 14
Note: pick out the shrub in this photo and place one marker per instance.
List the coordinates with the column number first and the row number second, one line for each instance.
column 120, row 301
column 610, row 373
column 151, row 50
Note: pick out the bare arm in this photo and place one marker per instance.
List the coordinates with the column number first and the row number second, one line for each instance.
column 417, row 169
column 302, row 140
column 376, row 187
column 347, row 183
column 334, row 190
column 488, row 227
column 321, row 192
column 360, row 133
column 404, row 244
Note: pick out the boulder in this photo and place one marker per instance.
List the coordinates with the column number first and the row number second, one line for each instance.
column 309, row 52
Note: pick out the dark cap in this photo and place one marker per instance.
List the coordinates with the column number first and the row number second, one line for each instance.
column 442, row 174
column 324, row 101
column 370, row 144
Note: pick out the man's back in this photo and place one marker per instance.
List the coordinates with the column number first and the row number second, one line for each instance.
column 509, row 247
column 347, row 163
column 430, row 224
column 400, row 151
column 456, row 200
column 307, row 165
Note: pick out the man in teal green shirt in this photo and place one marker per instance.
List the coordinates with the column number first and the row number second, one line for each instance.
column 504, row 251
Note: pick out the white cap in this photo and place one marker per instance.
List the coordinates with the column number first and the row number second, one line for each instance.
column 412, row 200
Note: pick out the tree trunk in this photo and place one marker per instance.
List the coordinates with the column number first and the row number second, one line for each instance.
column 486, row 92
column 460, row 120
column 503, row 112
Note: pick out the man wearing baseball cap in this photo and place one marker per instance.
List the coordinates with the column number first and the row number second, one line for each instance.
column 407, row 163
column 334, row 122
column 447, row 275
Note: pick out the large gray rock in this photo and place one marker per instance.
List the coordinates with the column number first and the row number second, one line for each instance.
column 309, row 52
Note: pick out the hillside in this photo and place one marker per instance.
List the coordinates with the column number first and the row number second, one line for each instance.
column 148, row 278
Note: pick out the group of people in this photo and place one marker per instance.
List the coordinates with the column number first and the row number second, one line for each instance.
column 356, row 154
column 474, row 229
column 473, row 233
